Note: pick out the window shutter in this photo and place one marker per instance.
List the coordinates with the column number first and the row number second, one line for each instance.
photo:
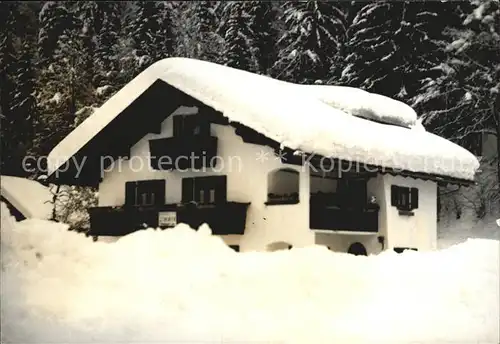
column 187, row 189
column 160, row 192
column 178, row 125
column 394, row 195
column 130, row 193
column 414, row 198
column 221, row 189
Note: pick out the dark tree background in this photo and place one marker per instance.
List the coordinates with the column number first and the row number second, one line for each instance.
column 61, row 60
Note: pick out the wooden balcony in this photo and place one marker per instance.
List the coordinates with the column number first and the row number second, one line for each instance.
column 224, row 218
column 183, row 152
column 335, row 218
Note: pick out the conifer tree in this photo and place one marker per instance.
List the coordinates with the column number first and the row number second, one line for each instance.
column 16, row 85
column 106, row 51
column 238, row 37
column 392, row 46
column 314, row 32
column 198, row 25
column 464, row 100
column 152, row 32
column 64, row 83
column 8, row 16
column 262, row 26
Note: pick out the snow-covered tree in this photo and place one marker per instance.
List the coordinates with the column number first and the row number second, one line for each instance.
column 151, row 32
column 197, row 24
column 104, row 21
column 262, row 26
column 7, row 54
column 239, row 49
column 314, row 32
column 8, row 15
column 23, row 104
column 465, row 99
column 64, row 82
column 16, row 85
column 392, row 46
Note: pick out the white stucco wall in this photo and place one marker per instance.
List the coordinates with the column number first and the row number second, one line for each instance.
column 418, row 231
column 247, row 181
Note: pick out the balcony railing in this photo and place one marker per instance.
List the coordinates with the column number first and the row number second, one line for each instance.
column 224, row 218
column 335, row 218
column 184, row 152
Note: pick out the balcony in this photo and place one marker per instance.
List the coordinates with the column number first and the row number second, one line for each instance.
column 344, row 219
column 224, row 218
column 342, row 216
column 183, row 152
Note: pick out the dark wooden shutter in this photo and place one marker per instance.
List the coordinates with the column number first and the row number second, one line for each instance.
column 221, row 189
column 160, row 192
column 130, row 193
column 187, row 189
column 394, row 195
column 414, row 198
column 178, row 122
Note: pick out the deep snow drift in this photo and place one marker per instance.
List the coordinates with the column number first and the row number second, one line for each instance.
column 182, row 285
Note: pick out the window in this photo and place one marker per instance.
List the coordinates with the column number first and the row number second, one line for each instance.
column 145, row 193
column 204, row 190
column 190, row 125
column 283, row 187
column 404, row 198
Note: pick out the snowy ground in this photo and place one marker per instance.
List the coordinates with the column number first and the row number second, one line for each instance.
column 185, row 286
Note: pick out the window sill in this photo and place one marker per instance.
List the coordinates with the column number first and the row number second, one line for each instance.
column 282, row 202
column 406, row 213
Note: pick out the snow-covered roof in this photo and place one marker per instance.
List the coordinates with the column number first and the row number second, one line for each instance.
column 29, row 197
column 313, row 119
column 363, row 104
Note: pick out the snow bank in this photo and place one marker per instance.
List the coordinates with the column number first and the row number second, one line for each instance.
column 185, row 286
column 452, row 231
column 291, row 116
column 31, row 198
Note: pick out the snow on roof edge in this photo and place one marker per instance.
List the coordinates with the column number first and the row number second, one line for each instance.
column 28, row 196
column 364, row 104
column 274, row 116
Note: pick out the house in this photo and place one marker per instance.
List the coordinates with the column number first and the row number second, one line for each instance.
column 268, row 165
column 25, row 198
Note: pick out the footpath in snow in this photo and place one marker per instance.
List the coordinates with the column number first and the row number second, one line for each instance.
column 183, row 285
